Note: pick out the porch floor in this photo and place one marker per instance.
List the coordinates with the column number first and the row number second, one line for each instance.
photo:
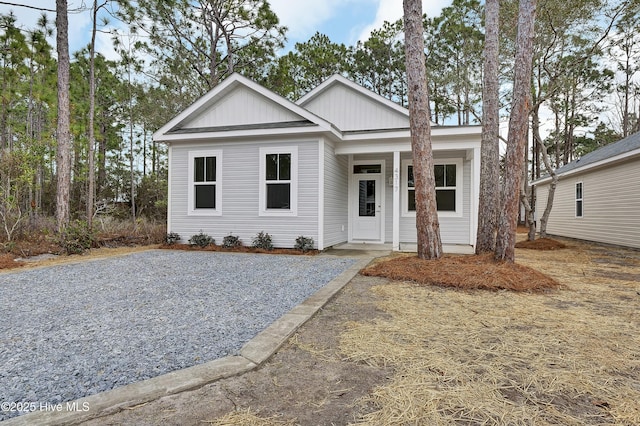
column 406, row 247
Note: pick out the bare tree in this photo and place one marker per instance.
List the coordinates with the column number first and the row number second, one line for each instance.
column 490, row 148
column 428, row 227
column 517, row 138
column 63, row 154
column 92, row 109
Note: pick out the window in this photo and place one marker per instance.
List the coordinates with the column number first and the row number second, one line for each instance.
column 278, row 181
column 448, row 180
column 579, row 199
column 204, row 183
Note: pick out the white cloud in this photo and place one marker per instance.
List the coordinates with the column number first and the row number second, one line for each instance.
column 391, row 11
column 303, row 18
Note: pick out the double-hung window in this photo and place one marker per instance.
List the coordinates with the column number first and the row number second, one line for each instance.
column 579, row 199
column 448, row 180
column 278, row 181
column 204, row 193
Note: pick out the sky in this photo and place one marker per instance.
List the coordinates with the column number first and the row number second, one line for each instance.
column 344, row 21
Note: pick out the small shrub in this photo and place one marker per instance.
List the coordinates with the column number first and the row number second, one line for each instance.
column 231, row 241
column 201, row 240
column 77, row 237
column 304, row 244
column 263, row 241
column 172, row 238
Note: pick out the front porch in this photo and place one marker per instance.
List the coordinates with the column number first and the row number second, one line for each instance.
column 404, row 247
column 381, row 207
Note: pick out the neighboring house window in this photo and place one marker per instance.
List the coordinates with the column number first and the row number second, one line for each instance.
column 204, row 191
column 448, row 179
column 579, row 199
column 278, row 181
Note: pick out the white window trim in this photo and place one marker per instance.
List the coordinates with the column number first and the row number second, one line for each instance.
column 459, row 187
column 191, row 210
column 575, row 204
column 262, row 199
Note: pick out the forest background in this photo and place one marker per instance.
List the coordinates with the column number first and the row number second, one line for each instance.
column 585, row 91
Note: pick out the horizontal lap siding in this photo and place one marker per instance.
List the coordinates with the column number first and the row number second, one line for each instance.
column 240, row 193
column 611, row 206
column 453, row 230
column 336, row 181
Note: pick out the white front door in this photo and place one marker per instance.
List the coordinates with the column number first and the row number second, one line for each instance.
column 367, row 208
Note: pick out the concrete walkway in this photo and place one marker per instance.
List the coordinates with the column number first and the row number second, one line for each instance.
column 251, row 355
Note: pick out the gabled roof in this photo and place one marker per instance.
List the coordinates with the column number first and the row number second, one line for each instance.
column 351, row 107
column 337, row 79
column 623, row 149
column 240, row 107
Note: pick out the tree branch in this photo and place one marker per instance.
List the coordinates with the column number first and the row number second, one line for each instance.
column 27, row 6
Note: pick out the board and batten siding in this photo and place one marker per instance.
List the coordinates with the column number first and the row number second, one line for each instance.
column 240, row 194
column 349, row 110
column 336, row 198
column 611, row 205
column 255, row 109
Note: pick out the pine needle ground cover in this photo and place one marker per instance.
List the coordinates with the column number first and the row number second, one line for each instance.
column 564, row 356
column 463, row 272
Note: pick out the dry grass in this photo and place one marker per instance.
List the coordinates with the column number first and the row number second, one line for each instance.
column 567, row 357
column 7, row 262
column 464, row 272
column 247, row 418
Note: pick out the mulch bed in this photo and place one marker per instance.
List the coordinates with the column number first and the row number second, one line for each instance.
column 463, row 272
column 541, row 244
column 7, row 261
column 240, row 249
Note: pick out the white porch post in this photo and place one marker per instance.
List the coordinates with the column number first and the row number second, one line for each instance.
column 396, row 201
column 475, row 193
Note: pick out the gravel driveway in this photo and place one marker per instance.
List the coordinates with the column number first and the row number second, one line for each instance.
column 73, row 330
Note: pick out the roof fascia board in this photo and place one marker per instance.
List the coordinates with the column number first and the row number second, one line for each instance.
column 234, row 134
column 596, row 165
column 402, row 145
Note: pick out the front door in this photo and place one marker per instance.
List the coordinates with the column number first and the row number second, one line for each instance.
column 367, row 208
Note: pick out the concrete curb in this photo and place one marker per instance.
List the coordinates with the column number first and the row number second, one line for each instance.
column 251, row 355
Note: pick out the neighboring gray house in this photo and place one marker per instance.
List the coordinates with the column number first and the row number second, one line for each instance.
column 598, row 196
column 335, row 166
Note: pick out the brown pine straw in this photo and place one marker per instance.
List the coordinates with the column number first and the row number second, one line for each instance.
column 248, row 418
column 463, row 272
column 570, row 356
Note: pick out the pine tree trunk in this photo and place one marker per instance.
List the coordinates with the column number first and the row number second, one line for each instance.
column 517, row 139
column 490, row 148
column 63, row 154
column 428, row 227
column 92, row 108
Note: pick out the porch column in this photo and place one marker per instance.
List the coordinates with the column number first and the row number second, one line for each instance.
column 396, row 201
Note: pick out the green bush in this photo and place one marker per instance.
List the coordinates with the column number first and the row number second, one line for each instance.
column 231, row 241
column 304, row 244
column 172, row 238
column 262, row 241
column 77, row 237
column 201, row 240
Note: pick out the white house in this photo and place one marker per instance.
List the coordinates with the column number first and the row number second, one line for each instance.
column 598, row 196
column 336, row 166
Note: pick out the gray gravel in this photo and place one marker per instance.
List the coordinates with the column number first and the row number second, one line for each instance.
column 70, row 331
